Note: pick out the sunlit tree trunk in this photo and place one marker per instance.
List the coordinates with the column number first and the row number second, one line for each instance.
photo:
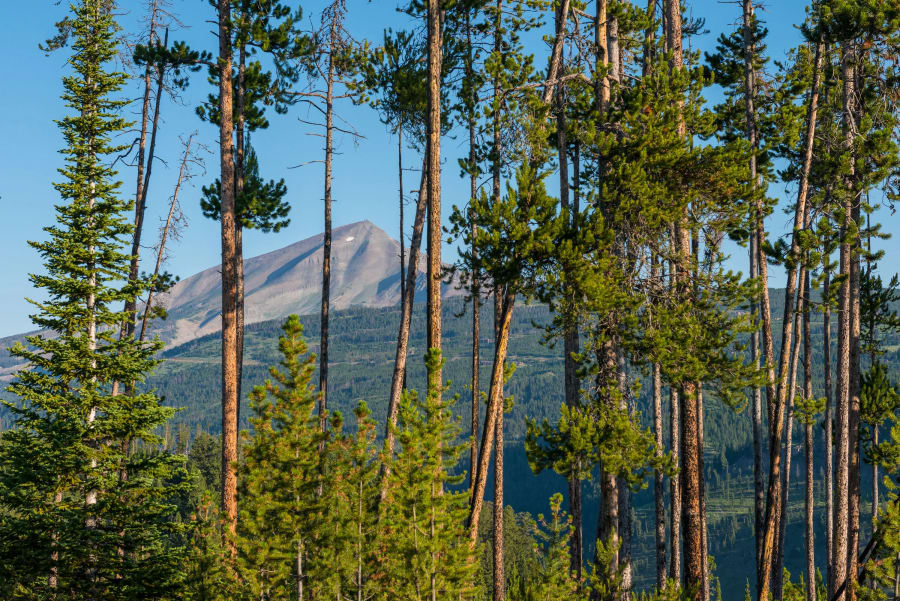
column 435, row 53
column 229, row 279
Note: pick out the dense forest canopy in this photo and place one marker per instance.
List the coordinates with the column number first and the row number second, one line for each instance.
column 612, row 361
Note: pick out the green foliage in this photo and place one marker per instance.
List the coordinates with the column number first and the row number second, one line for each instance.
column 424, row 517
column 86, row 495
column 551, row 580
column 281, row 511
column 259, row 206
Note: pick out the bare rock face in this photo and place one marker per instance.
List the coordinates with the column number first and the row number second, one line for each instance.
column 365, row 271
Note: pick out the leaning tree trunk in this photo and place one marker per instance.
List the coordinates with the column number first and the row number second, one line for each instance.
column 495, row 406
column 406, row 306
column 498, row 538
column 778, row 575
column 140, row 198
column 229, row 279
column 160, row 253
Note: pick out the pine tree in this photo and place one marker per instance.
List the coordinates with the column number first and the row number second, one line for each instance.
column 81, row 515
column 281, row 515
column 428, row 554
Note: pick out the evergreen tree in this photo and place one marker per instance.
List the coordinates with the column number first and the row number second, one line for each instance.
column 81, row 515
column 427, row 552
column 281, row 512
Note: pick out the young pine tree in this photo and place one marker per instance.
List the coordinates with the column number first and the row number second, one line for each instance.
column 424, row 518
column 278, row 539
column 81, row 516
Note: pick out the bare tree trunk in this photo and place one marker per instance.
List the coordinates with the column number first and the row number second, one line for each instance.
column 810, row 483
column 499, row 572
column 788, row 446
column 402, row 228
column 495, row 406
column 435, row 53
column 759, row 494
column 140, row 198
column 658, row 485
column 326, row 241
column 828, row 435
column 476, row 275
column 239, row 219
column 229, row 284
column 675, row 485
column 165, row 233
column 406, row 306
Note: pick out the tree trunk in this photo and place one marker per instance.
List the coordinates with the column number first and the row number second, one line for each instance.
column 326, row 241
column 828, row 435
column 841, row 559
column 691, row 460
column 570, row 340
column 658, row 486
column 435, row 53
column 777, row 413
column 625, row 523
column 499, row 573
column 402, row 228
column 703, row 529
column 759, row 494
column 229, row 284
column 675, row 485
column 165, row 233
column 239, row 221
column 601, row 59
column 810, row 496
column 788, row 446
column 495, row 405
column 140, row 197
column 406, row 306
column 476, row 275
column 690, row 487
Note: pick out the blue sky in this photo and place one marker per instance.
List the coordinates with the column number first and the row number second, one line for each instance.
column 365, row 185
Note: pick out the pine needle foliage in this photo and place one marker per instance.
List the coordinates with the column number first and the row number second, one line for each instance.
column 81, row 516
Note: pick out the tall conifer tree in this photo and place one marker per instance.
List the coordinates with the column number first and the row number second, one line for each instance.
column 81, row 515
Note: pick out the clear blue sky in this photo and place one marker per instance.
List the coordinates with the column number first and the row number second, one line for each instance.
column 365, row 185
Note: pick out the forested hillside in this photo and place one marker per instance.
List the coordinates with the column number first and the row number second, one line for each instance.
column 362, row 361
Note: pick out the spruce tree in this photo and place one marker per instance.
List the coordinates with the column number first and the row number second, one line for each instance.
column 82, row 516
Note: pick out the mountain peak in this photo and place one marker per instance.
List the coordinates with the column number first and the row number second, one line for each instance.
column 365, row 271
